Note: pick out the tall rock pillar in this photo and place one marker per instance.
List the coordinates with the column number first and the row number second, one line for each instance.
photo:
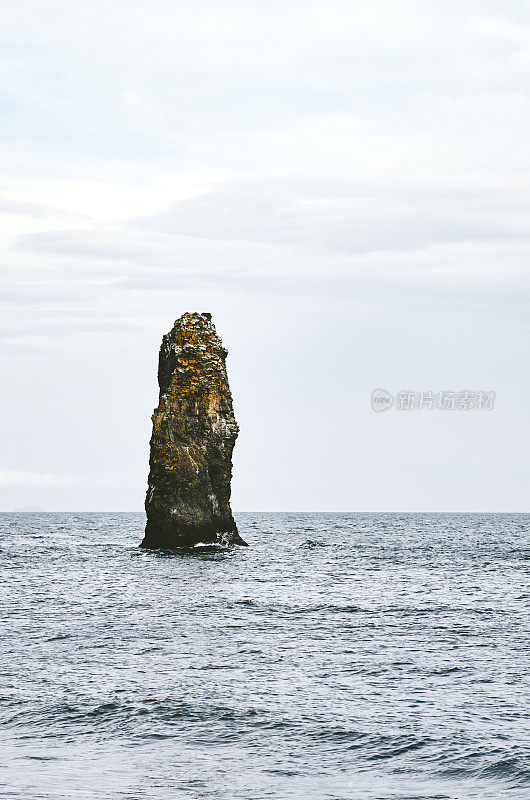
column 194, row 432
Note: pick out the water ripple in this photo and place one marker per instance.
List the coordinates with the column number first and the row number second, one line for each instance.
column 340, row 657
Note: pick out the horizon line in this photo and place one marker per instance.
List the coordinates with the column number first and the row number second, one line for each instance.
column 408, row 511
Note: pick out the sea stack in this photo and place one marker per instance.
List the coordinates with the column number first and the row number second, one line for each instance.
column 194, row 432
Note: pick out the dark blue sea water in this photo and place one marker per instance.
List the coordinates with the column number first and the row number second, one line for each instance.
column 339, row 657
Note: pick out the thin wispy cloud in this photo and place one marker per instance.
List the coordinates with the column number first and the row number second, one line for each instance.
column 22, row 478
column 363, row 222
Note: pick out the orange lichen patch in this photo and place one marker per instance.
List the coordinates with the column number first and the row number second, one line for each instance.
column 158, row 416
column 213, row 405
column 199, row 375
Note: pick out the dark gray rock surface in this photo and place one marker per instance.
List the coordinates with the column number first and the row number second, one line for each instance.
column 194, row 432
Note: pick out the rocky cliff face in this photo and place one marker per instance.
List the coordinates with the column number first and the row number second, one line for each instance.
column 194, row 432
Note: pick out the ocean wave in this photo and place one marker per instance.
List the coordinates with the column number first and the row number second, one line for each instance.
column 340, row 646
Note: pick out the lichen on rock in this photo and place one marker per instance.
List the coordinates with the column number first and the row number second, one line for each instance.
column 194, row 432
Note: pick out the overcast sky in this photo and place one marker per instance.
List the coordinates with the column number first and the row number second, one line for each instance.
column 345, row 186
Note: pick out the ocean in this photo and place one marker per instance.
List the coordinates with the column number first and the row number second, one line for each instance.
column 338, row 657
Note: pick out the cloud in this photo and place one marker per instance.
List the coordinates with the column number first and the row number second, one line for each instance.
column 365, row 220
column 22, row 478
column 145, row 269
column 265, row 84
column 129, row 251
column 35, row 210
column 464, row 238
column 344, row 185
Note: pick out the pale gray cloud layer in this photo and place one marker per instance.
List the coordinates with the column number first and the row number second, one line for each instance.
column 345, row 186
